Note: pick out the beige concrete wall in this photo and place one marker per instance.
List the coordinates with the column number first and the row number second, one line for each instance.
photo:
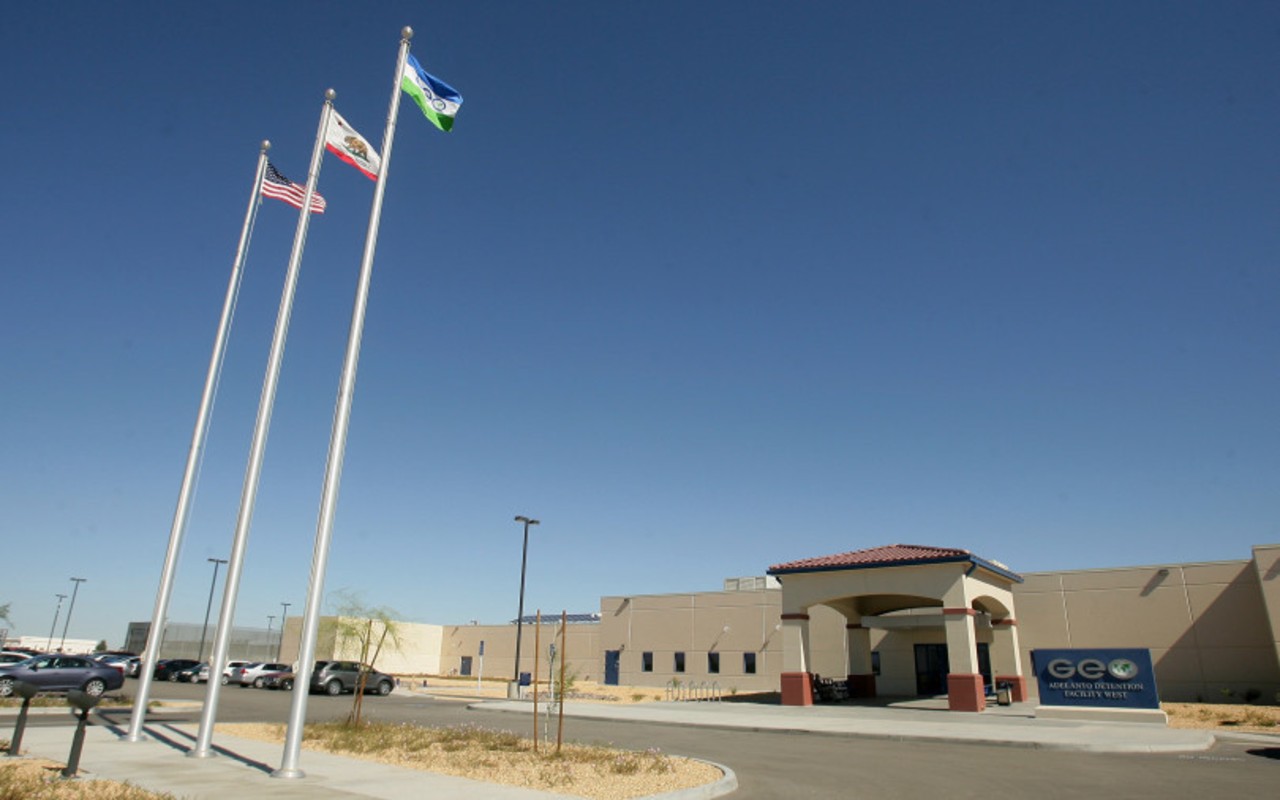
column 1266, row 563
column 1206, row 624
column 582, row 645
column 418, row 652
column 729, row 623
column 415, row 649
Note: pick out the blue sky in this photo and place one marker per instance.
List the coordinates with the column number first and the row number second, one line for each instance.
column 703, row 286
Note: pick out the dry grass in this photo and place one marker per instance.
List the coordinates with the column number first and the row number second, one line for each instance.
column 37, row 779
column 467, row 751
column 1213, row 716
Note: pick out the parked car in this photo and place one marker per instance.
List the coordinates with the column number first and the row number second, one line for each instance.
column 10, row 657
column 58, row 673
column 336, row 677
column 275, row 680
column 112, row 660
column 249, row 674
column 132, row 667
column 190, row 674
column 169, row 668
column 203, row 675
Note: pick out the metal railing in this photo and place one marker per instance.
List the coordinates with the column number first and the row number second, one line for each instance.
column 692, row 691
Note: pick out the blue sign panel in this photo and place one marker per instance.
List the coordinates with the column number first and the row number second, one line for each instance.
column 1107, row 678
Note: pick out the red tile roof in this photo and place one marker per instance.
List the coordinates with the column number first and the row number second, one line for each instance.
column 886, row 556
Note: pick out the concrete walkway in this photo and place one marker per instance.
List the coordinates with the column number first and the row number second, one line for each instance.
column 916, row 720
column 242, row 769
column 243, row 766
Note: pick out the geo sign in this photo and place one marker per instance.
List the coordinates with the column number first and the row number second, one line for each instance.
column 1107, row 678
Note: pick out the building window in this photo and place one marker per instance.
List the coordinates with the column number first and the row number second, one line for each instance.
column 749, row 663
column 679, row 662
column 713, row 663
column 875, row 662
column 646, row 662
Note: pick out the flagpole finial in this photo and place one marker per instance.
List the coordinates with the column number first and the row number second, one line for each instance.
column 406, row 33
column 329, row 94
column 266, row 145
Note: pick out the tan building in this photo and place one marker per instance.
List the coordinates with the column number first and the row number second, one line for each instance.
column 890, row 622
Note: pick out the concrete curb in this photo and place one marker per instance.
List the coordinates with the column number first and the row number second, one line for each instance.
column 727, row 784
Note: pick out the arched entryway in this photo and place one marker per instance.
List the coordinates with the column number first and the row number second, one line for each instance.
column 900, row 586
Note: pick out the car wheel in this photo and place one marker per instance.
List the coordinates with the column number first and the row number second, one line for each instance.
column 173, row 677
column 333, row 687
column 225, row 680
column 6, row 687
column 258, row 683
column 384, row 688
column 287, row 684
column 95, row 687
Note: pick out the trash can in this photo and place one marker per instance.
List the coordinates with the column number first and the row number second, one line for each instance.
column 1004, row 693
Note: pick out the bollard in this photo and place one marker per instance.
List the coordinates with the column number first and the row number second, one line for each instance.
column 26, row 691
column 83, row 702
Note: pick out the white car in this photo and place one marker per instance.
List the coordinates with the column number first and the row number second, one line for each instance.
column 251, row 674
column 227, row 673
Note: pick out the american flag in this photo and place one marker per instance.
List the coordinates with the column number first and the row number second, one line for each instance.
column 281, row 188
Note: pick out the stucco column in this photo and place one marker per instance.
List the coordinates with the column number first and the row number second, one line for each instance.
column 862, row 679
column 964, row 682
column 1006, row 667
column 797, row 687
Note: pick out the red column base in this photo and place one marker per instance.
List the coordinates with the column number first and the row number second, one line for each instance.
column 862, row 685
column 1017, row 686
column 797, row 689
column 964, row 692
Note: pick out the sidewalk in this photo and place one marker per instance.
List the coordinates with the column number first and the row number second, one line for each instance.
column 921, row 720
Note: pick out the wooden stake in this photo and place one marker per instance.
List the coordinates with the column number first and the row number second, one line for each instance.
column 564, row 658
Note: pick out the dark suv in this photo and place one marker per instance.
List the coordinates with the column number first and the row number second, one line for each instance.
column 336, row 677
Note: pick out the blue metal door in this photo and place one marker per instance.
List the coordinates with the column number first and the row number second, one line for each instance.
column 612, row 658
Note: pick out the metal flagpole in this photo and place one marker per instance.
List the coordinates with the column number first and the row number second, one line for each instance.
column 337, row 446
column 249, row 492
column 194, row 454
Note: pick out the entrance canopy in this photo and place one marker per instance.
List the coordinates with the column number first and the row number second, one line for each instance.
column 868, row 583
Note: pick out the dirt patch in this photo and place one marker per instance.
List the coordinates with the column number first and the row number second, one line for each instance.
column 1224, row 716
column 599, row 773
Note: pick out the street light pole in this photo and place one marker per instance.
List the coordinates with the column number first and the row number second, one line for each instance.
column 54, row 626
column 524, row 561
column 66, row 624
column 271, row 618
column 284, row 615
column 217, row 562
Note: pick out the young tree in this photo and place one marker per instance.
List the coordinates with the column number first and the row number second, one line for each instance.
column 4, row 614
column 364, row 630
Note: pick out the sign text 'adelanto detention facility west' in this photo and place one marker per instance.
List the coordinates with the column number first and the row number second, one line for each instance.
column 1109, row 678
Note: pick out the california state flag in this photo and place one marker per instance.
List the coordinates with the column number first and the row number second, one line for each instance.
column 344, row 142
